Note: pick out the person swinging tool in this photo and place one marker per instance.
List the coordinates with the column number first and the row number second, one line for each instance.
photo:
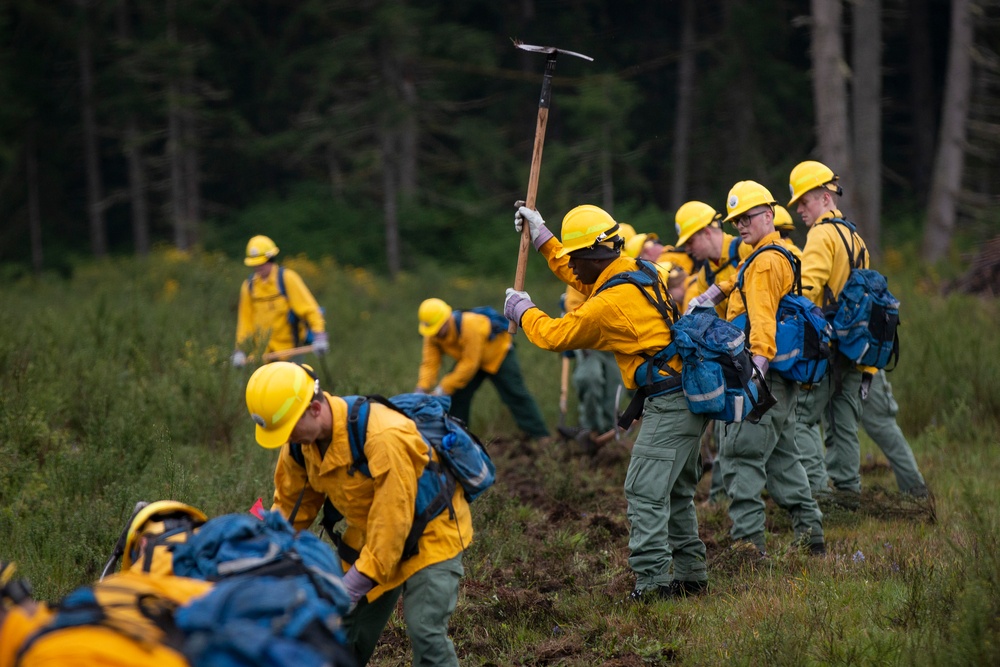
column 276, row 308
column 667, row 555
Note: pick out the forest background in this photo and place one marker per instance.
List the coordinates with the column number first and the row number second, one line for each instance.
column 386, row 133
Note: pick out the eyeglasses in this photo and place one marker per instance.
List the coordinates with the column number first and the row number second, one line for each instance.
column 745, row 220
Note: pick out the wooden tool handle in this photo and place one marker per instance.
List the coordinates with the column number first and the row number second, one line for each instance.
column 536, row 167
column 285, row 354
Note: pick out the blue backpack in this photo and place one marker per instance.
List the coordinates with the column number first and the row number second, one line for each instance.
column 463, row 460
column 301, row 333
column 716, row 370
column 866, row 318
column 264, row 621
column 498, row 323
column 802, row 336
column 279, row 600
column 718, row 375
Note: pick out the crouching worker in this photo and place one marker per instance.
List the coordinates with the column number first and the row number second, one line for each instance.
column 482, row 349
column 123, row 621
column 376, row 493
column 629, row 311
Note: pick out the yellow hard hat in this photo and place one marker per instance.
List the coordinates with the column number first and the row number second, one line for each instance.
column 260, row 249
column 152, row 520
column 692, row 217
column 810, row 175
column 277, row 396
column 432, row 315
column 634, row 245
column 783, row 219
column 626, row 231
column 744, row 196
column 587, row 226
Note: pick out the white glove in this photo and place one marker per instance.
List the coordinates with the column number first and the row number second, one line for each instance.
column 239, row 359
column 711, row 297
column 438, row 391
column 321, row 342
column 533, row 217
column 761, row 363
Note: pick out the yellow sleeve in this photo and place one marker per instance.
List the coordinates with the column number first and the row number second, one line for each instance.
column 430, row 364
column 396, row 459
column 817, row 264
column 244, row 314
column 765, row 285
column 573, row 331
column 302, row 302
column 473, row 341
column 289, row 480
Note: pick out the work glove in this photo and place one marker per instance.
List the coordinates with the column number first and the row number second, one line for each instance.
column 357, row 585
column 438, row 391
column 321, row 342
column 419, row 390
column 711, row 297
column 239, row 359
column 761, row 363
column 866, row 385
column 516, row 304
column 536, row 226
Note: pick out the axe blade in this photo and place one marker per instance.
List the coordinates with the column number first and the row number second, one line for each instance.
column 548, row 49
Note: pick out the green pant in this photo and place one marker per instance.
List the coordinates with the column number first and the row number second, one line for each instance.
column 597, row 379
column 429, row 599
column 717, row 488
column 840, row 412
column 764, row 455
column 879, row 421
column 510, row 385
column 659, row 488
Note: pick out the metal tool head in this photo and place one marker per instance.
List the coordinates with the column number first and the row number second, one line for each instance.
column 548, row 49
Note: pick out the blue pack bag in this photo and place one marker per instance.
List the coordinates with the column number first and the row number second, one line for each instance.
column 802, row 336
column 263, row 621
column 866, row 318
column 240, row 544
column 718, row 375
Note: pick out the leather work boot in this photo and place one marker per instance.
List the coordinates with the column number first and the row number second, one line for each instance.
column 817, row 549
column 672, row 591
column 570, row 432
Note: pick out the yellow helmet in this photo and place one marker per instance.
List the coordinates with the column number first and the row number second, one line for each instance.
column 692, row 217
column 744, row 196
column 156, row 519
column 634, row 245
column 432, row 315
column 589, row 226
column 783, row 219
column 260, row 249
column 277, row 396
column 810, row 175
column 626, row 231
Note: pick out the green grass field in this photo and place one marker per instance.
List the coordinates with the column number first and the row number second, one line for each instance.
column 115, row 386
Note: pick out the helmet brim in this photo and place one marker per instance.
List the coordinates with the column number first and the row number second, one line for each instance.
column 256, row 261
column 431, row 330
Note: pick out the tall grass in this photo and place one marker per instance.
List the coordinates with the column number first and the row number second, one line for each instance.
column 115, row 386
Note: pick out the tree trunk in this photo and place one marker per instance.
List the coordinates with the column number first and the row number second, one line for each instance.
column 830, row 92
column 34, row 214
column 922, row 101
column 175, row 154
column 949, row 163
column 409, row 138
column 133, row 155
column 685, row 101
column 390, row 198
column 91, row 143
column 190, row 165
column 867, row 119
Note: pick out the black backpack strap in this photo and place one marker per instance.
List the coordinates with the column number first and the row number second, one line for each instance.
column 457, row 315
column 854, row 261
